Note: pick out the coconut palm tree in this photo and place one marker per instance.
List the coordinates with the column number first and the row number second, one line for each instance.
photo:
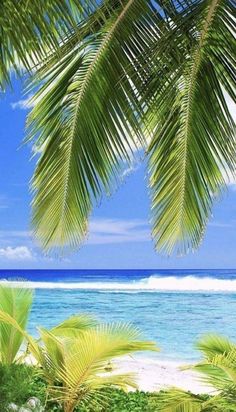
column 137, row 78
column 218, row 369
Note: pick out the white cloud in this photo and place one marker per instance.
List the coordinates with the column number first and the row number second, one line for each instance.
column 104, row 231
column 131, row 169
column 16, row 253
column 23, row 104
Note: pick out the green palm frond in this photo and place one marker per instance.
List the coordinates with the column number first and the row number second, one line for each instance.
column 176, row 400
column 136, row 75
column 29, row 30
column 33, row 346
column 219, row 366
column 76, row 367
column 87, row 123
column 212, row 345
column 15, row 303
column 74, row 325
column 193, row 143
column 217, row 369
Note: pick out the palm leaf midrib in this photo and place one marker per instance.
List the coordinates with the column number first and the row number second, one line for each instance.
column 97, row 56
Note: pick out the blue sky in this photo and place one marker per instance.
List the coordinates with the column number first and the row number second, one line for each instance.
column 119, row 234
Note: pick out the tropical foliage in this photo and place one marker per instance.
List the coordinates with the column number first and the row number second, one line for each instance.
column 218, row 370
column 117, row 81
column 30, row 30
column 136, row 76
column 75, row 356
column 18, row 383
column 16, row 303
column 78, row 368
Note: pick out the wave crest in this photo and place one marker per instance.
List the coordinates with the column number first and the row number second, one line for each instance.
column 150, row 284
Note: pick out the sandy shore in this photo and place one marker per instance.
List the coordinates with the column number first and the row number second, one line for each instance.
column 154, row 374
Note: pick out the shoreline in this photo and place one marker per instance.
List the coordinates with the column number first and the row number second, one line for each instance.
column 154, row 375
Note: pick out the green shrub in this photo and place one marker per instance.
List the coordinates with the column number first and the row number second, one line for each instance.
column 120, row 401
column 18, row 383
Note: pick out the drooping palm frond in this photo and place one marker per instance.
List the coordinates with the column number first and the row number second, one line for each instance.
column 88, row 122
column 16, row 304
column 29, row 30
column 193, row 147
column 79, row 363
column 166, row 64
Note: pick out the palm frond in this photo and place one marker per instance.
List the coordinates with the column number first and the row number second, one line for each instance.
column 219, row 366
column 33, row 346
column 193, row 144
column 212, row 345
column 16, row 303
column 87, row 123
column 175, row 400
column 165, row 65
column 74, row 325
column 76, row 367
column 218, row 369
column 30, row 30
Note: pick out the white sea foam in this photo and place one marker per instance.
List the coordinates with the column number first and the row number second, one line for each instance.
column 150, row 284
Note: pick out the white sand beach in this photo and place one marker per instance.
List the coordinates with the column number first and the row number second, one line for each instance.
column 154, row 374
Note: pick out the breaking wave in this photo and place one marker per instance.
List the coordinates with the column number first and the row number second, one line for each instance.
column 150, row 284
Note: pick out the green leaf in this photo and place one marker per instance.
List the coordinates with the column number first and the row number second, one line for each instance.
column 16, row 304
column 86, row 125
column 193, row 144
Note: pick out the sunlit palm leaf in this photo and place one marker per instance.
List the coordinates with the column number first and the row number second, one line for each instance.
column 79, row 363
column 33, row 346
column 193, row 146
column 165, row 64
column 74, row 326
column 219, row 367
column 16, row 303
column 176, row 400
column 87, row 123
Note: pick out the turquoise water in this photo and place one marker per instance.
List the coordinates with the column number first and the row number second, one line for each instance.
column 161, row 304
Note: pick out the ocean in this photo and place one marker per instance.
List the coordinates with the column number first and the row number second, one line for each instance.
column 172, row 307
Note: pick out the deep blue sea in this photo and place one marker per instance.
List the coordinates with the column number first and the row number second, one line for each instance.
column 172, row 307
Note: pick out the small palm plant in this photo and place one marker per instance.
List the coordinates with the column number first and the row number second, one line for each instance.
column 73, row 356
column 75, row 368
column 218, row 369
